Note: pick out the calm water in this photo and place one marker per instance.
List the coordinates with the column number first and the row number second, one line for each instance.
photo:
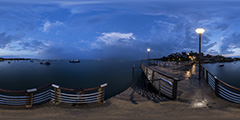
column 230, row 73
column 21, row 75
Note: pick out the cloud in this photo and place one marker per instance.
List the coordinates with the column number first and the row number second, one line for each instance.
column 48, row 25
column 116, row 38
column 5, row 39
column 230, row 43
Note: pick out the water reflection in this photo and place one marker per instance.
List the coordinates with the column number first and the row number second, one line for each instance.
column 193, row 70
column 190, row 72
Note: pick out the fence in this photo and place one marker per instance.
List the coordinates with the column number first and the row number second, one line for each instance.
column 221, row 88
column 165, row 84
column 53, row 93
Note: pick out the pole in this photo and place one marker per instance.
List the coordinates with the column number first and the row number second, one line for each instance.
column 199, row 57
column 148, row 55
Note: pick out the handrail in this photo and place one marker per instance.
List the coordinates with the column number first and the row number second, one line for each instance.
column 164, row 74
column 230, row 86
column 221, row 88
column 32, row 96
column 48, row 85
column 166, row 87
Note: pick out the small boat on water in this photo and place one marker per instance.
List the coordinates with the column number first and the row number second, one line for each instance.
column 74, row 61
column 221, row 65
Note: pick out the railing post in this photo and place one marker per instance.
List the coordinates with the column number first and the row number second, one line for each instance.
column 159, row 87
column 101, row 95
column 216, row 86
column 57, row 95
column 152, row 75
column 203, row 71
column 147, row 72
column 80, row 97
column 30, row 94
column 174, row 90
column 173, row 66
column 207, row 76
column 133, row 70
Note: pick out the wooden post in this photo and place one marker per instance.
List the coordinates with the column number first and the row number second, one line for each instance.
column 147, row 72
column 30, row 94
column 101, row 96
column 133, row 70
column 216, row 86
column 159, row 87
column 174, row 90
column 57, row 95
column 152, row 74
column 30, row 101
column 80, row 97
column 207, row 76
column 203, row 71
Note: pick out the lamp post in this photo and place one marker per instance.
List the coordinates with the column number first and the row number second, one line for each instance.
column 148, row 50
column 200, row 31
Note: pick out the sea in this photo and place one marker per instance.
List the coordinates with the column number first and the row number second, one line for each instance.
column 22, row 75
column 229, row 73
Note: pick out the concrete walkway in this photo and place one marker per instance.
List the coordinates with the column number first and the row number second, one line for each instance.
column 195, row 101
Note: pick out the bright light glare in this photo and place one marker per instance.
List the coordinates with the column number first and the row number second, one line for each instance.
column 148, row 50
column 200, row 30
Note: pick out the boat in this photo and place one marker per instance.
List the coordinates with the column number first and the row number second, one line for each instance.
column 221, row 65
column 74, row 61
column 47, row 63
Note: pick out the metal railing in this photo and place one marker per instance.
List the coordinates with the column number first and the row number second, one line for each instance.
column 165, row 84
column 53, row 93
column 221, row 88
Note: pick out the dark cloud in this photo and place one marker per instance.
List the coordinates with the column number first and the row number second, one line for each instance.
column 5, row 39
column 33, row 45
column 229, row 43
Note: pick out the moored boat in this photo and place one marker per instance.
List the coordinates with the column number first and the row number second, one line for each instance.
column 74, row 61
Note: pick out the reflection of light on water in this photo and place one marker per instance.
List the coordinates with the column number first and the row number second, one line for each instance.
column 193, row 69
column 188, row 74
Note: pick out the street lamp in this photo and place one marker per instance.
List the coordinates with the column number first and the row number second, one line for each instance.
column 200, row 31
column 148, row 50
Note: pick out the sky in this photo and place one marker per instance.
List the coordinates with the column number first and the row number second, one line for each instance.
column 117, row 29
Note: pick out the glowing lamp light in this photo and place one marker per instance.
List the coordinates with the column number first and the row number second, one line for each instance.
column 200, row 30
column 148, row 50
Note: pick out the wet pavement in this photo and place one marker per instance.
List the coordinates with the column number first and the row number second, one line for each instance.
column 194, row 91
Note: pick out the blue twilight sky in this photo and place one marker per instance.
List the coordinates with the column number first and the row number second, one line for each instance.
column 103, row 29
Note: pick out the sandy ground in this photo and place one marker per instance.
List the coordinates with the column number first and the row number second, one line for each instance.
column 195, row 101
